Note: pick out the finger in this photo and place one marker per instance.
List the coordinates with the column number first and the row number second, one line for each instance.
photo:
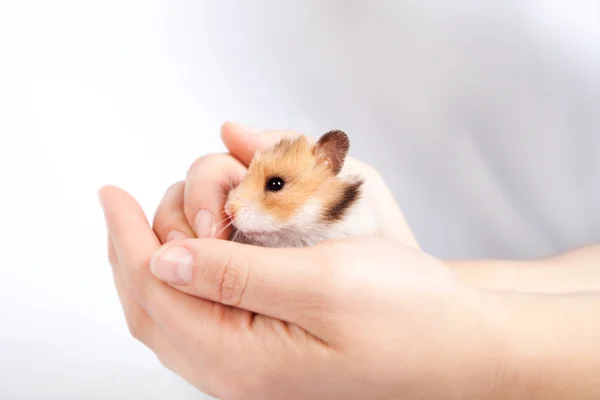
column 183, row 318
column 169, row 221
column 139, row 324
column 132, row 239
column 207, row 184
column 143, row 329
column 242, row 144
column 287, row 284
column 391, row 220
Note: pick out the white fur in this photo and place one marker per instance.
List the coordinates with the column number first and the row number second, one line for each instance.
column 305, row 228
column 252, row 218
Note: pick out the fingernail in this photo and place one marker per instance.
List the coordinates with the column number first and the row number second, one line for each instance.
column 173, row 265
column 176, row 235
column 205, row 224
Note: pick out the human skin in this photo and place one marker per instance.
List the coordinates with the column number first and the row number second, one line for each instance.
column 377, row 319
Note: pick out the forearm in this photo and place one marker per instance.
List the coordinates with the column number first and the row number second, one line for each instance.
column 577, row 270
column 552, row 346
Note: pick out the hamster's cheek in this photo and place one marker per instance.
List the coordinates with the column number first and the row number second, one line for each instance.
column 308, row 214
column 256, row 220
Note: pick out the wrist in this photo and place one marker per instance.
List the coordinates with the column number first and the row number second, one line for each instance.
column 548, row 345
column 481, row 349
column 498, row 275
column 575, row 271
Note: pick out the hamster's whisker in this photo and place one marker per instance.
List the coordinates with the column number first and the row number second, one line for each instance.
column 224, row 228
column 240, row 227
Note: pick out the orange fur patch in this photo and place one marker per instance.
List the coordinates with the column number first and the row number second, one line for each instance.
column 306, row 177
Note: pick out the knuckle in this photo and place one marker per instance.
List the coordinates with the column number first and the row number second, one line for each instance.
column 232, row 281
column 174, row 188
column 209, row 179
column 212, row 160
column 171, row 199
column 163, row 224
column 159, row 222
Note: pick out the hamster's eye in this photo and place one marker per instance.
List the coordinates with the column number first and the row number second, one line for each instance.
column 275, row 184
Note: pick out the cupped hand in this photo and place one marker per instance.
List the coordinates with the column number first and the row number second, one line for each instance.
column 194, row 207
column 346, row 319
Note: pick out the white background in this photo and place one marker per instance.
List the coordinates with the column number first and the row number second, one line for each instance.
column 484, row 117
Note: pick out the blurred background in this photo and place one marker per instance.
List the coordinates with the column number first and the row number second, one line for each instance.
column 483, row 117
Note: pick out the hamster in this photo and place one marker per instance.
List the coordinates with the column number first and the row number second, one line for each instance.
column 296, row 194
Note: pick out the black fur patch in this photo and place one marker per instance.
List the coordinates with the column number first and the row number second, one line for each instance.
column 350, row 195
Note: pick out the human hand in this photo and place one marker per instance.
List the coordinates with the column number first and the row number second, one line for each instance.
column 346, row 319
column 194, row 207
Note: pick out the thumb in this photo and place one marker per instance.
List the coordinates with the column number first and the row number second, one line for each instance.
column 242, row 143
column 287, row 284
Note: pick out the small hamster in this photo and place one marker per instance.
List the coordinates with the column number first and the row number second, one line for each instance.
column 296, row 194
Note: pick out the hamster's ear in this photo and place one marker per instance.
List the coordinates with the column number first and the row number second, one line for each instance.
column 332, row 148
